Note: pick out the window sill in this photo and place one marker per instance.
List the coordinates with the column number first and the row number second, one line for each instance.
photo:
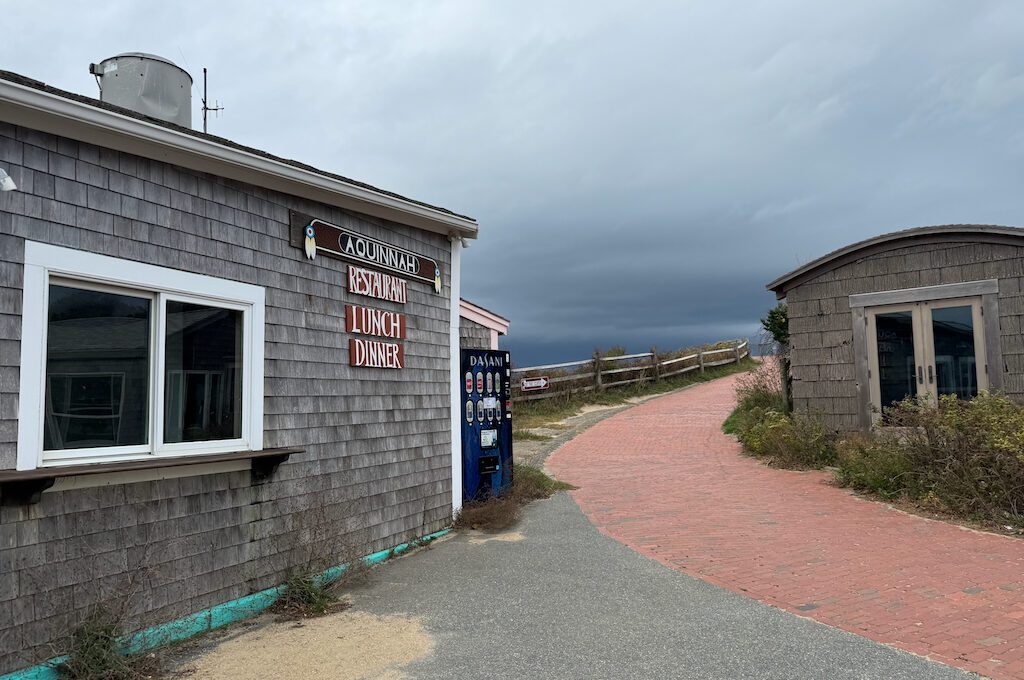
column 25, row 487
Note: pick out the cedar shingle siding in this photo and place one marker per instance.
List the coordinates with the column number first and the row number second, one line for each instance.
column 473, row 335
column 377, row 442
column 821, row 324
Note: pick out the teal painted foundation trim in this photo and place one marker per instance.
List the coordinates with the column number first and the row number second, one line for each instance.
column 214, row 617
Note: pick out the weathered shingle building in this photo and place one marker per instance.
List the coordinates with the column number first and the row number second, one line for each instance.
column 182, row 388
column 923, row 312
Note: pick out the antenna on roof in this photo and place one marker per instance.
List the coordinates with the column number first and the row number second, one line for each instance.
column 216, row 105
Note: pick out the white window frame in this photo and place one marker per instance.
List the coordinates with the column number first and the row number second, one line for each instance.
column 925, row 370
column 44, row 262
column 988, row 341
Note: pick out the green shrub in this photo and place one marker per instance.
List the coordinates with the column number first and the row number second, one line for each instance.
column 797, row 442
column 754, row 427
column 760, row 388
column 965, row 456
column 776, row 324
column 877, row 464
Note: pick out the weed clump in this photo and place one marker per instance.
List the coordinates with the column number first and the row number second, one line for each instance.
column 530, row 484
column 319, row 536
column 304, row 595
column 501, row 512
column 493, row 514
column 96, row 654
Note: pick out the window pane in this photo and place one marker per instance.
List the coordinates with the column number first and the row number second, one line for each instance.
column 955, row 364
column 896, row 367
column 203, row 373
column 97, row 369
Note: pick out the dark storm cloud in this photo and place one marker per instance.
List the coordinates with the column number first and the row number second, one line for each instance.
column 639, row 171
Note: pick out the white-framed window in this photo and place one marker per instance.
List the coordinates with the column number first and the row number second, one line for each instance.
column 926, row 349
column 925, row 342
column 128, row 361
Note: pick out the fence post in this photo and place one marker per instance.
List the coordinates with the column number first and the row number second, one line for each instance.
column 597, row 370
column 655, row 367
column 737, row 348
column 700, row 357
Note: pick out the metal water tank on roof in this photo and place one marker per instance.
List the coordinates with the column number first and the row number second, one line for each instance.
column 146, row 84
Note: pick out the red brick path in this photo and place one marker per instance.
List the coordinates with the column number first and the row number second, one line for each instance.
column 664, row 480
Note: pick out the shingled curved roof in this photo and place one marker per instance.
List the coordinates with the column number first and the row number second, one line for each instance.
column 946, row 233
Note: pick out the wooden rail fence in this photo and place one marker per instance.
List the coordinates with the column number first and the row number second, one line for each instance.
column 601, row 372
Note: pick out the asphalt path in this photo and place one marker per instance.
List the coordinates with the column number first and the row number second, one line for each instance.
column 565, row 601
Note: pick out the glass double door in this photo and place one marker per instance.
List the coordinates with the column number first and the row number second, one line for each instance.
column 926, row 349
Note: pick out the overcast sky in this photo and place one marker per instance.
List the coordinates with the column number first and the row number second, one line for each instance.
column 639, row 170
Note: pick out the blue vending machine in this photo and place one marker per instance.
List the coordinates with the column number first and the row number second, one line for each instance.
column 486, row 423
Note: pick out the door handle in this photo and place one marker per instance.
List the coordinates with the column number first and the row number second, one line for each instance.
column 931, row 374
column 920, row 376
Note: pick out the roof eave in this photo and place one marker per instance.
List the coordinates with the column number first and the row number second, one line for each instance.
column 948, row 233
column 46, row 112
column 482, row 316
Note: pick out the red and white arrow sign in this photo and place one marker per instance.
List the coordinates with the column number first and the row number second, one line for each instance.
column 532, row 384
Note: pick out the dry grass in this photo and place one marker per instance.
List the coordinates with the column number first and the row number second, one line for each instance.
column 494, row 514
column 528, row 436
column 500, row 513
column 305, row 596
column 95, row 653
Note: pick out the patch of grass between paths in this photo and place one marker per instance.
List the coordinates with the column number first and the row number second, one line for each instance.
column 527, row 436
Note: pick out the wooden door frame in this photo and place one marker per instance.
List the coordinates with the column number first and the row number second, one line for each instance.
column 987, row 290
column 920, row 351
column 982, row 370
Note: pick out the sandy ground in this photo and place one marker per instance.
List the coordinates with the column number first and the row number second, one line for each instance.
column 346, row 646
column 479, row 537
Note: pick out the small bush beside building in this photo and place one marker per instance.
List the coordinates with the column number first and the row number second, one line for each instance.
column 960, row 457
column 965, row 457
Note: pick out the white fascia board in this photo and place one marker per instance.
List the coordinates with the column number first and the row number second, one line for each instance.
column 490, row 320
column 38, row 110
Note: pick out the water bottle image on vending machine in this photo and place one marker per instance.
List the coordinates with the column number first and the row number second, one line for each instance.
column 487, row 423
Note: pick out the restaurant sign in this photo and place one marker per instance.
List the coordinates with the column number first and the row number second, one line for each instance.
column 377, row 285
column 315, row 237
column 375, row 353
column 369, row 321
